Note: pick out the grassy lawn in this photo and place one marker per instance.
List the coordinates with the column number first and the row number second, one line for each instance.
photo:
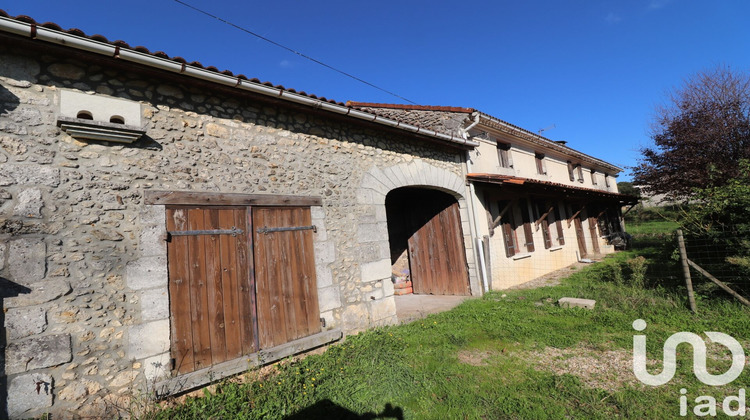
column 506, row 355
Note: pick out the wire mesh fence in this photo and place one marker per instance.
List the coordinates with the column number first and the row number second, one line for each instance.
column 722, row 254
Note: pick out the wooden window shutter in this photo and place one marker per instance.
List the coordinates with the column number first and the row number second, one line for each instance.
column 508, row 229
column 571, row 171
column 580, row 173
column 593, row 177
column 503, row 155
column 528, row 232
column 541, row 168
column 606, row 180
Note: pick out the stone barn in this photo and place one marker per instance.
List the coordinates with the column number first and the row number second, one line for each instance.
column 164, row 224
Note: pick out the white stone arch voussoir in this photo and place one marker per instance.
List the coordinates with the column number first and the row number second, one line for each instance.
column 376, row 184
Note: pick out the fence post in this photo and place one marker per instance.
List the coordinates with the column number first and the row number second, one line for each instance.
column 686, row 270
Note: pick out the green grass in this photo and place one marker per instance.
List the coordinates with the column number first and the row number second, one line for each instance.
column 413, row 370
column 651, row 227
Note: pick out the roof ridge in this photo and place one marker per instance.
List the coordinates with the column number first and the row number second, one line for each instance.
column 356, row 104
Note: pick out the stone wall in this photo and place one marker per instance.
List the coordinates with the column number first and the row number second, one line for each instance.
column 82, row 261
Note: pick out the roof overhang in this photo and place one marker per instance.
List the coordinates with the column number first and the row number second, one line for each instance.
column 533, row 186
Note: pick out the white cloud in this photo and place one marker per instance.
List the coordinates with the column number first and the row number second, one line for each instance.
column 612, row 18
column 657, row 4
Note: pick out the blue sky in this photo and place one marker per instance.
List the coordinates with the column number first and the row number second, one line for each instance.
column 594, row 69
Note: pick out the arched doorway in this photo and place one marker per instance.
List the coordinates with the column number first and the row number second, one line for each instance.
column 426, row 240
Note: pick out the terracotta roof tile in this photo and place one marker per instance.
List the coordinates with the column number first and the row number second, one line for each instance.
column 355, row 104
column 514, row 180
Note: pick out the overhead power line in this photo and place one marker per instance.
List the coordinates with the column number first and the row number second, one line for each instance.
column 292, row 51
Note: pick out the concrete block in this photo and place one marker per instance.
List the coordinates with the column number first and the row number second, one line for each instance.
column 321, row 233
column 154, row 304
column 23, row 399
column 27, row 260
column 568, row 302
column 365, row 196
column 24, row 322
column 372, row 232
column 153, row 215
column 41, row 292
column 329, row 298
column 148, row 339
column 388, row 288
column 377, row 270
column 325, row 252
column 37, row 352
column 323, row 275
column 317, row 213
column 156, row 368
column 147, row 272
column 383, row 308
column 151, row 241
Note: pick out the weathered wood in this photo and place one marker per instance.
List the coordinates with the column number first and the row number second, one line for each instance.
column 571, row 218
column 437, row 255
column 593, row 224
column 580, row 236
column 686, row 270
column 286, row 284
column 487, row 260
column 214, row 288
column 198, row 291
column 179, row 295
column 192, row 380
column 500, row 215
column 219, row 199
column 719, row 283
column 542, row 217
column 229, row 270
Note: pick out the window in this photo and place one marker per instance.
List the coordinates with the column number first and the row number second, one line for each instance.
column 580, row 173
column 606, row 180
column 571, row 169
column 593, row 177
column 504, row 158
column 541, row 167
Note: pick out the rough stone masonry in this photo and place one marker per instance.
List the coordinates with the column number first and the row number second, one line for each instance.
column 82, row 262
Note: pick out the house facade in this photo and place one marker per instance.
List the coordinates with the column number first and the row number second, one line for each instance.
column 539, row 205
column 165, row 224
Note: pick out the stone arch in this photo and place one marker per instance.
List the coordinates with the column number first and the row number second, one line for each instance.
column 372, row 230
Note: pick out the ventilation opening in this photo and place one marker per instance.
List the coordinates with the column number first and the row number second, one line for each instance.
column 116, row 119
column 84, row 115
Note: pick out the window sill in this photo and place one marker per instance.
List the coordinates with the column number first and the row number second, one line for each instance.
column 556, row 248
column 521, row 256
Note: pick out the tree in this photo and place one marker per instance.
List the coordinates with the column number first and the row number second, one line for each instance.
column 625, row 187
column 700, row 136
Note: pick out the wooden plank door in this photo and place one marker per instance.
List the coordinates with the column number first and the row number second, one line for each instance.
column 210, row 286
column 437, row 257
column 285, row 273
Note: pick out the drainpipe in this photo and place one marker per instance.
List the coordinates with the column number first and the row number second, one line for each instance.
column 478, row 244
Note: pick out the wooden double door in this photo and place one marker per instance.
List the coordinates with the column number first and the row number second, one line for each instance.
column 241, row 279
